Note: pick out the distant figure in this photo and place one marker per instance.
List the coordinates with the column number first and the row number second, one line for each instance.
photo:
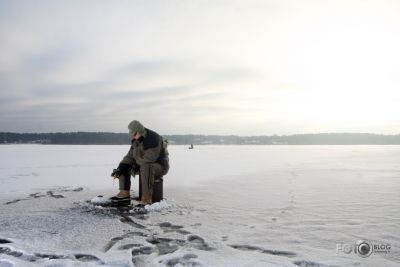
column 191, row 146
column 146, row 157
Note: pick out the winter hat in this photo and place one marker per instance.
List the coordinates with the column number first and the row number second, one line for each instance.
column 135, row 126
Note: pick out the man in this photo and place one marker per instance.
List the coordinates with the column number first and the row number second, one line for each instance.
column 146, row 156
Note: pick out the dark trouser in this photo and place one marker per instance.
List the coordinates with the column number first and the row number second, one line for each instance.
column 148, row 172
column 125, row 182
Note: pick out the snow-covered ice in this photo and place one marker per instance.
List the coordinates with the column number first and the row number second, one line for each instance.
column 100, row 200
column 158, row 206
column 224, row 206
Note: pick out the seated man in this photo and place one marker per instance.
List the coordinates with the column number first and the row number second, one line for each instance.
column 146, row 156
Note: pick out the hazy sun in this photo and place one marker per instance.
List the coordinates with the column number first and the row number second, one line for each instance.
column 344, row 68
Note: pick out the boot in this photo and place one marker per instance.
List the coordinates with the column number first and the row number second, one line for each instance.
column 123, row 195
column 146, row 200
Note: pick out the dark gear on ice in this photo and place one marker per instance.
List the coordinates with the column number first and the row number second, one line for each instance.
column 148, row 157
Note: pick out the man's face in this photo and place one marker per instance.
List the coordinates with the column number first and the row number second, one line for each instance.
column 136, row 135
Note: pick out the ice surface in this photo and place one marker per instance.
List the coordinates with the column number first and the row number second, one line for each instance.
column 225, row 206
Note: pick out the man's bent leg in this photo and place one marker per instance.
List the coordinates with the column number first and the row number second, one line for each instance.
column 125, row 182
column 124, row 188
column 148, row 172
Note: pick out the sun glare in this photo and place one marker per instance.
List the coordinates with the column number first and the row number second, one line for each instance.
column 344, row 70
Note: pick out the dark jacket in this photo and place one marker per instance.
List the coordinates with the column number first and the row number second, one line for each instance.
column 148, row 149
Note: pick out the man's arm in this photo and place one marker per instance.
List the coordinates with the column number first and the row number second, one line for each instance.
column 127, row 163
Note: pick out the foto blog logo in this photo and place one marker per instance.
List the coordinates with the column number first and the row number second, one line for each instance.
column 363, row 248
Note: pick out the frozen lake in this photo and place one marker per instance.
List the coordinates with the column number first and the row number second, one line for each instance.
column 225, row 206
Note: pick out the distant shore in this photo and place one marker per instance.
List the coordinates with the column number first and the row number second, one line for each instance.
column 106, row 138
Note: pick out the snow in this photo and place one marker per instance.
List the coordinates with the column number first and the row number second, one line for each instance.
column 100, row 200
column 6, row 263
column 224, row 206
column 158, row 206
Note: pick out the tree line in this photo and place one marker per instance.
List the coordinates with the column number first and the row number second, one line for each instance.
column 104, row 138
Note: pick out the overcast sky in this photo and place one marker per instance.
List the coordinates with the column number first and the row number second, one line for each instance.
column 202, row 67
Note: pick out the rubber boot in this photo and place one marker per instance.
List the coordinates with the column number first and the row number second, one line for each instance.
column 121, row 196
column 146, row 200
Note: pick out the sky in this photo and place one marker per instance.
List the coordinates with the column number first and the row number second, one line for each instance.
column 200, row 67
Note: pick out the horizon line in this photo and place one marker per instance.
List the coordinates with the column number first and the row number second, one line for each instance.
column 321, row 133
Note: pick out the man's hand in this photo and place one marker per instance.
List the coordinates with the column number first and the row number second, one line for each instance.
column 116, row 173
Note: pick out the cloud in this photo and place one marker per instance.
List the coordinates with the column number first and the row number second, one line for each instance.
column 52, row 58
column 231, row 66
column 126, row 91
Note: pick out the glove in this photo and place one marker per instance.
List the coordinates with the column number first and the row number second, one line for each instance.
column 116, row 173
column 135, row 167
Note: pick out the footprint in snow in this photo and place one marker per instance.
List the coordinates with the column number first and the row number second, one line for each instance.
column 33, row 258
column 114, row 240
column 265, row 251
column 199, row 243
column 145, row 250
column 51, row 194
column 166, row 245
column 168, row 227
column 304, row 263
column 186, row 260
column 88, row 258
column 40, row 195
column 4, row 241
column 126, row 219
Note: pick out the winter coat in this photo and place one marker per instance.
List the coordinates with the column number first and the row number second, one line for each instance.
column 147, row 149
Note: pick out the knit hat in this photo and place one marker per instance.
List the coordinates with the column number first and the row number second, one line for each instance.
column 135, row 126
